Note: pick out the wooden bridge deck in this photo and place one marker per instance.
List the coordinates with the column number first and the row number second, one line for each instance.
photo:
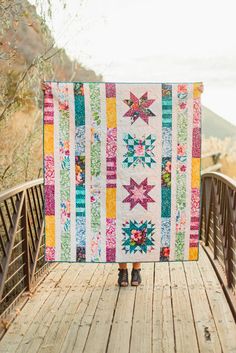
column 180, row 307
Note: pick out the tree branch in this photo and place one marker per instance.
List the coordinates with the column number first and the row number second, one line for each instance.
column 25, row 73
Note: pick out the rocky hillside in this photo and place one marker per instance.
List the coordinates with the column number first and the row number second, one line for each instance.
column 214, row 125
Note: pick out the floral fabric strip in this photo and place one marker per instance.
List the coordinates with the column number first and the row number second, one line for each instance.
column 95, row 154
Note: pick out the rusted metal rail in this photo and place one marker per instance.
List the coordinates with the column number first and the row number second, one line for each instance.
column 21, row 241
column 218, row 229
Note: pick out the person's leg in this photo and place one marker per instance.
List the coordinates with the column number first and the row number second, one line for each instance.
column 123, row 274
column 136, row 265
column 123, row 265
column 135, row 274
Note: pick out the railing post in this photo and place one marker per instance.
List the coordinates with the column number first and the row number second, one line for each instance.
column 208, row 207
column 214, row 219
column 231, row 234
column 202, row 211
column 26, row 242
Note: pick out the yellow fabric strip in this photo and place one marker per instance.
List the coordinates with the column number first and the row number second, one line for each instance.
column 111, row 112
column 50, row 230
column 193, row 253
column 111, row 202
column 197, row 89
column 195, row 172
column 48, row 139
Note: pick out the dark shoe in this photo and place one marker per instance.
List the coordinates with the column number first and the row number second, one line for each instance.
column 123, row 277
column 135, row 277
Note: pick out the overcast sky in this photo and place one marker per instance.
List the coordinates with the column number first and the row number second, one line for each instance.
column 152, row 40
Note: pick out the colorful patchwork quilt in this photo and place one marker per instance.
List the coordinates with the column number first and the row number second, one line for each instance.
column 122, row 171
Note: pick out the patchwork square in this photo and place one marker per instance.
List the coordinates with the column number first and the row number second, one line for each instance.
column 139, row 151
column 138, row 236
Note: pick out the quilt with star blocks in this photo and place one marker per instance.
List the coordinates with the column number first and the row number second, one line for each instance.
column 122, row 171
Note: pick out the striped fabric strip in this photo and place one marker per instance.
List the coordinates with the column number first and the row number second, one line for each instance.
column 111, row 160
column 173, row 172
column 182, row 123
column 64, row 153
column 70, row 87
column 95, row 186
column 195, row 183
column 166, row 171
column 49, row 172
column 80, row 172
column 188, row 171
column 55, row 88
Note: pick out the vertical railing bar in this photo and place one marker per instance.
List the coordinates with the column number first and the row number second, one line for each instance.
column 31, row 233
column 202, row 211
column 37, row 251
column 8, row 213
column 205, row 214
column 31, row 209
column 38, row 200
column 41, row 192
column 3, row 246
column 231, row 219
column 26, row 243
column 13, row 204
column 36, row 210
column 30, row 237
column 31, row 256
column 4, row 224
column 209, row 213
column 214, row 220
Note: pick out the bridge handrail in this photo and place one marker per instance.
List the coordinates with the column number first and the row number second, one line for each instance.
column 16, row 189
column 220, row 176
column 218, row 229
column 21, row 241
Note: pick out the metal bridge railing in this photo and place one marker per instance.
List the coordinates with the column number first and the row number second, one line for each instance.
column 21, row 241
column 218, row 229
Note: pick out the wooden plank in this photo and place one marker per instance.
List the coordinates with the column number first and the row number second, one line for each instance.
column 185, row 333
column 32, row 338
column 141, row 333
column 207, row 334
column 51, row 339
column 18, row 304
column 119, row 340
column 163, row 328
column 223, row 317
column 48, row 313
column 77, row 334
column 75, row 300
column 102, row 320
column 20, row 326
column 179, row 307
